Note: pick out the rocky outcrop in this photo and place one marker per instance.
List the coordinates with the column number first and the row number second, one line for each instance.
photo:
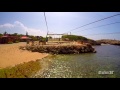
column 61, row 49
column 109, row 41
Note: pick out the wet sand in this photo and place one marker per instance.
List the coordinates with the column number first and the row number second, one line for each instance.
column 11, row 55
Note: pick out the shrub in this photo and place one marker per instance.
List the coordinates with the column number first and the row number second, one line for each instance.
column 10, row 42
column 73, row 37
column 16, row 41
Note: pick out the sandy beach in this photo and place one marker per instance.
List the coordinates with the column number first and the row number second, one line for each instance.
column 11, row 55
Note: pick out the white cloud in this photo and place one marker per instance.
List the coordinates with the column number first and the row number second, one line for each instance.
column 20, row 28
column 17, row 23
column 7, row 25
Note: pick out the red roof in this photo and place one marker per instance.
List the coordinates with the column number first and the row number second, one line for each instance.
column 25, row 37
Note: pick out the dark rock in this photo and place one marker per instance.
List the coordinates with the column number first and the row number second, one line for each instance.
column 94, row 51
column 61, row 49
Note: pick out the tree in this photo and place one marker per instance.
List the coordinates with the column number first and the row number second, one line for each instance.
column 15, row 34
column 26, row 33
column 38, row 37
column 50, row 37
column 5, row 33
column 1, row 34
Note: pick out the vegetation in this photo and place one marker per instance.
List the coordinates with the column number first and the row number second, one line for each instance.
column 79, row 39
column 16, row 41
column 18, row 36
column 5, row 33
column 10, row 42
column 15, row 34
column 21, row 71
column 74, row 38
column 36, row 38
column 92, row 42
column 1, row 34
column 44, row 39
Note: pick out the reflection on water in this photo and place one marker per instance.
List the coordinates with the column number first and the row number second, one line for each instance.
column 86, row 65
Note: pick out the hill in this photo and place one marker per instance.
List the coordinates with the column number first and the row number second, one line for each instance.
column 79, row 39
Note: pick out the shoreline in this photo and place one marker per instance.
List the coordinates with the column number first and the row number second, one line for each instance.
column 11, row 55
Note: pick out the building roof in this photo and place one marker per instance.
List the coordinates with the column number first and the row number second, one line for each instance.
column 25, row 37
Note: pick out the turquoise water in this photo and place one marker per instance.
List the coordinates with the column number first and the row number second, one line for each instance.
column 85, row 65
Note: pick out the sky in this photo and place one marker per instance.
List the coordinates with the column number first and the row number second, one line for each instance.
column 61, row 22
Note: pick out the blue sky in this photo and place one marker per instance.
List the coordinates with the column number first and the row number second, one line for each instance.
column 60, row 22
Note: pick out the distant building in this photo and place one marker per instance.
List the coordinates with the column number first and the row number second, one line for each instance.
column 8, row 38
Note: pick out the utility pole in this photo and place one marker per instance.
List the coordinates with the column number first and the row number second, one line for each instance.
column 46, row 25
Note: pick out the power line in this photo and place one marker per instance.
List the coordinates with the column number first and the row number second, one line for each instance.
column 100, row 26
column 95, row 22
column 102, row 34
column 46, row 22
